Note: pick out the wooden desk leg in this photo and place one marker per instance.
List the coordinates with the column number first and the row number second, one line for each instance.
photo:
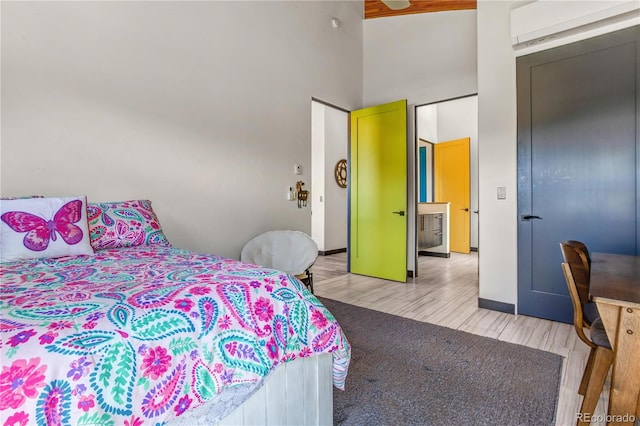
column 624, row 325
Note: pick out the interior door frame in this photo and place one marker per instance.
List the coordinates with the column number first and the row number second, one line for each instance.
column 537, row 302
column 414, row 177
column 348, row 153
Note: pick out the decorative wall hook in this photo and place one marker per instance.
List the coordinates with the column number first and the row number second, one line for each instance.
column 340, row 173
column 301, row 194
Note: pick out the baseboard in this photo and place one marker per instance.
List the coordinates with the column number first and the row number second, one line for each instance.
column 330, row 252
column 474, row 248
column 508, row 308
column 435, row 254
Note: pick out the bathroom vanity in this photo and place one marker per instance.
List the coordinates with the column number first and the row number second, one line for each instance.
column 433, row 229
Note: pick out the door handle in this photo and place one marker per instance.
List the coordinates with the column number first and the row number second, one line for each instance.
column 527, row 217
column 465, row 209
column 401, row 212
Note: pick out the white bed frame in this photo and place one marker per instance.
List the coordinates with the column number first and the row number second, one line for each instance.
column 299, row 392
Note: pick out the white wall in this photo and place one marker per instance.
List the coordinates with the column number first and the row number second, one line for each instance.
column 202, row 107
column 427, row 122
column 423, row 58
column 497, row 154
column 330, row 129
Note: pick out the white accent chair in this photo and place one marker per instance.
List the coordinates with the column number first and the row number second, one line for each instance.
column 293, row 252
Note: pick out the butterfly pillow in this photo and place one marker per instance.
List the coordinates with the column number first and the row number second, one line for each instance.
column 23, row 197
column 124, row 224
column 33, row 228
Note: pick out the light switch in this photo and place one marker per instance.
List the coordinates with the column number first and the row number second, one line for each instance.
column 502, row 193
column 297, row 169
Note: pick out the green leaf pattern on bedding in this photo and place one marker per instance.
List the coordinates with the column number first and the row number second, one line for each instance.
column 138, row 335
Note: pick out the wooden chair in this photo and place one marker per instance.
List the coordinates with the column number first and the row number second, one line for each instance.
column 600, row 356
column 576, row 254
column 582, row 247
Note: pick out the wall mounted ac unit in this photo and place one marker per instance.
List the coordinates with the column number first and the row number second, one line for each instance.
column 563, row 21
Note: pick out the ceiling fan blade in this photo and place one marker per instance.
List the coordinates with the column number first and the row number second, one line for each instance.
column 396, row 4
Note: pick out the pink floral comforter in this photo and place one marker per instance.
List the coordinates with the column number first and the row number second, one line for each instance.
column 136, row 336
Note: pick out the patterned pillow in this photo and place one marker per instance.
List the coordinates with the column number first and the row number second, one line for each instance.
column 124, row 224
column 33, row 228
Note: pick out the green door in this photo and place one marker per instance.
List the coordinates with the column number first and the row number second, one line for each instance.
column 378, row 243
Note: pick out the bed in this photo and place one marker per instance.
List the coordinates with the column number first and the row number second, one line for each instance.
column 145, row 333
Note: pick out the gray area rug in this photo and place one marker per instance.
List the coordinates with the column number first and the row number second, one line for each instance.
column 406, row 372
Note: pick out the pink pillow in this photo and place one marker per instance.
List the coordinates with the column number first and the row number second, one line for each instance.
column 124, row 224
column 33, row 228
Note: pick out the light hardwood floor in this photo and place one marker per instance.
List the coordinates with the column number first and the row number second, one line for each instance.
column 446, row 293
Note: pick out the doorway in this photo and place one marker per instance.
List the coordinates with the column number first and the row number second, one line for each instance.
column 329, row 145
column 449, row 119
column 444, row 121
column 369, row 215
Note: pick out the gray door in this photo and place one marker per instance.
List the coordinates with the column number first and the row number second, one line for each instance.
column 578, row 156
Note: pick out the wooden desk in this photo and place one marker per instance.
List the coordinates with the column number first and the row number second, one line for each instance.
column 615, row 287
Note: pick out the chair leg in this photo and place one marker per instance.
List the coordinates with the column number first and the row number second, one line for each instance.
column 307, row 280
column 602, row 358
column 310, row 275
column 586, row 376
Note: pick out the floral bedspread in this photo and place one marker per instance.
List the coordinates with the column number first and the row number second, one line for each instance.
column 137, row 336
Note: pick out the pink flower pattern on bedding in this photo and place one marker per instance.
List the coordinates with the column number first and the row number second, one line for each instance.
column 139, row 335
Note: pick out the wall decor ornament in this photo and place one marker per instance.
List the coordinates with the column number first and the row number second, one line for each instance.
column 341, row 173
column 301, row 194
